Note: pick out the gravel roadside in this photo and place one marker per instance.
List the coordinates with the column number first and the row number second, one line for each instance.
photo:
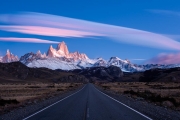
column 149, row 109
column 22, row 112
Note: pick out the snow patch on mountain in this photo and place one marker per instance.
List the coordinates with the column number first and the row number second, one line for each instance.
column 41, row 60
column 87, row 63
column 52, row 63
column 125, row 65
column 59, row 58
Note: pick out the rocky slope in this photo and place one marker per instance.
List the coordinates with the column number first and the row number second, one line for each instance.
column 154, row 75
column 18, row 72
column 108, row 74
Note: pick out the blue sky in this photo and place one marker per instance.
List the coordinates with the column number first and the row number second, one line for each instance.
column 158, row 17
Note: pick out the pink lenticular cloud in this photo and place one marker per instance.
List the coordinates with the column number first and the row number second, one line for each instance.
column 165, row 59
column 52, row 25
column 47, row 31
column 29, row 40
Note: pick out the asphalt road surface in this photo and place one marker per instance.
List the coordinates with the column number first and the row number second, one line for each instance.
column 87, row 104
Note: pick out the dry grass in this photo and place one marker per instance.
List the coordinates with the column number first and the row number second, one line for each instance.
column 28, row 93
column 165, row 94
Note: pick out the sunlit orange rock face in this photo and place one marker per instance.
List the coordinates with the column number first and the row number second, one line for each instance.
column 62, row 51
column 62, row 48
column 51, row 52
column 9, row 57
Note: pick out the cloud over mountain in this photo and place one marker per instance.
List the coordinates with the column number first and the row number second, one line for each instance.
column 29, row 40
column 53, row 25
column 165, row 59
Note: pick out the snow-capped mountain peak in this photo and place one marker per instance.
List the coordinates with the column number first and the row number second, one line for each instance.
column 38, row 52
column 125, row 65
column 58, row 58
column 8, row 52
column 9, row 57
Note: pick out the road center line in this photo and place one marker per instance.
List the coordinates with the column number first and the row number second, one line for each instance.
column 53, row 104
column 87, row 112
column 125, row 105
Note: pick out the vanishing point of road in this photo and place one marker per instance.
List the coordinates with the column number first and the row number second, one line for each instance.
column 88, row 104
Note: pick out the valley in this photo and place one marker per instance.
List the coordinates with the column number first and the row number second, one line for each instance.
column 22, row 87
column 37, row 80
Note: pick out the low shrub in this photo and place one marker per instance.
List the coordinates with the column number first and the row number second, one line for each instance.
column 33, row 87
column 60, row 89
column 106, row 87
column 4, row 102
column 152, row 97
column 50, row 86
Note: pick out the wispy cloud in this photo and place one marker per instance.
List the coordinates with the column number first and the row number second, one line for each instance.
column 167, row 12
column 52, row 25
column 165, row 59
column 29, row 40
column 137, row 59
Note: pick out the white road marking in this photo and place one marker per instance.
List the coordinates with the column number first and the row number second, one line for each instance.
column 125, row 105
column 53, row 104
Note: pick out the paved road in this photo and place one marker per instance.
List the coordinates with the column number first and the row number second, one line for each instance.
column 87, row 104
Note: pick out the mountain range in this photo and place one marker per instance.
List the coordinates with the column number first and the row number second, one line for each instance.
column 61, row 58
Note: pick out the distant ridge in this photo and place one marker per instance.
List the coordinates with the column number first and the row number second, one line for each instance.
column 61, row 58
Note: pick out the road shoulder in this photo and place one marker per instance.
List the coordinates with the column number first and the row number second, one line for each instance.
column 149, row 109
column 25, row 111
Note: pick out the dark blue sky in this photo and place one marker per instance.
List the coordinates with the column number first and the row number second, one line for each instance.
column 157, row 16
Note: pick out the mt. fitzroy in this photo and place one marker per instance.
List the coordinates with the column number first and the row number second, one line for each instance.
column 61, row 58
column 58, row 58
column 62, row 51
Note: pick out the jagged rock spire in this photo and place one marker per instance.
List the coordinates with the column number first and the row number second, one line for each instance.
column 8, row 52
column 9, row 57
column 62, row 51
column 63, row 47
